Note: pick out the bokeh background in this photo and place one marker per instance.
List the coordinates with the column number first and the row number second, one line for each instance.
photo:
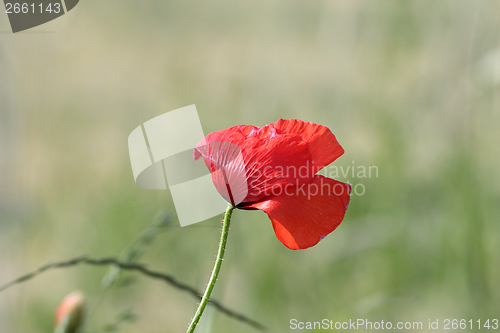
column 411, row 87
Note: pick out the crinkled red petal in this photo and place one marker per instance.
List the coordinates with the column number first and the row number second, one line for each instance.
column 272, row 159
column 323, row 145
column 302, row 216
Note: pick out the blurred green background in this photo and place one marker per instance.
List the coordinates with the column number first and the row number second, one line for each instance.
column 411, row 87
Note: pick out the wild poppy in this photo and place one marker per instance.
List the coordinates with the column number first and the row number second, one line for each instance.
column 69, row 314
column 277, row 174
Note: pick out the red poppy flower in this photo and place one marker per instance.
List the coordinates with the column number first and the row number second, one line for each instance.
column 273, row 169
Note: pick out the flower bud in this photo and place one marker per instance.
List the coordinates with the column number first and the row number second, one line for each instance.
column 69, row 314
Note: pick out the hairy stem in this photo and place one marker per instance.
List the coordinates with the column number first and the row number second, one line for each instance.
column 215, row 272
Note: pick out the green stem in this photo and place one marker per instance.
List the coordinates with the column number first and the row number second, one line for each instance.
column 215, row 272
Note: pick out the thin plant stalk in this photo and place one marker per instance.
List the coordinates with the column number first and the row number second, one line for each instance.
column 129, row 255
column 215, row 272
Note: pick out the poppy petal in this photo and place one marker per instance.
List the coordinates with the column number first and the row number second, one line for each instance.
column 302, row 216
column 228, row 172
column 272, row 159
column 323, row 145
